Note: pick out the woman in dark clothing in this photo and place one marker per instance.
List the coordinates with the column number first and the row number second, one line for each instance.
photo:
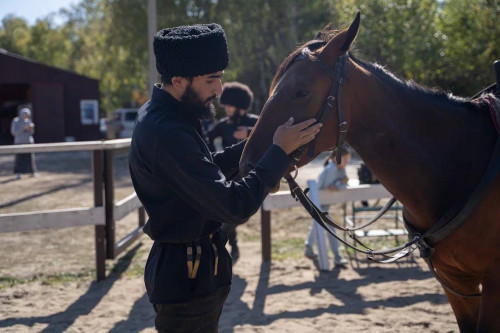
column 22, row 128
column 236, row 98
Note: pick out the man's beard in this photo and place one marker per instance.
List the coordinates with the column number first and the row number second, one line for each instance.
column 197, row 108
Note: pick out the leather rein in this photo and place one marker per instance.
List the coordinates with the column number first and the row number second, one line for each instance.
column 450, row 221
column 338, row 77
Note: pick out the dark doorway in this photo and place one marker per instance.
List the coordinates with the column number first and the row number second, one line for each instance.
column 48, row 111
column 12, row 96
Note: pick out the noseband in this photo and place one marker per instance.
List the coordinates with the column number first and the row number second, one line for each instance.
column 338, row 76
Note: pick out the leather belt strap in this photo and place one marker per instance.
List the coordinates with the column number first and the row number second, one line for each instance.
column 193, row 269
column 193, row 266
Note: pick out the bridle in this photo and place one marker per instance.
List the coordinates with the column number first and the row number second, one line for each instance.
column 339, row 77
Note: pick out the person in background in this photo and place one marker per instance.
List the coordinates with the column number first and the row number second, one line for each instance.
column 22, row 128
column 188, row 191
column 333, row 178
column 365, row 176
column 236, row 98
column 113, row 127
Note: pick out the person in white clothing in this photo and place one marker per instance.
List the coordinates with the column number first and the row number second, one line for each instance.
column 333, row 178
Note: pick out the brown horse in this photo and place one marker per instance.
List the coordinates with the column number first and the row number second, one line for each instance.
column 428, row 148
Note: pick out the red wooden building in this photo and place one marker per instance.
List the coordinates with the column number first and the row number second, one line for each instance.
column 64, row 105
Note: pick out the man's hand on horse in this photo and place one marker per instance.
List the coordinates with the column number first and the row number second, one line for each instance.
column 290, row 137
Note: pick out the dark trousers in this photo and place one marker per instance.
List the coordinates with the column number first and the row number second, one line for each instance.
column 25, row 163
column 200, row 315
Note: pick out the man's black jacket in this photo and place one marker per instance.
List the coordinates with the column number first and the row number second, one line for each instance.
column 187, row 196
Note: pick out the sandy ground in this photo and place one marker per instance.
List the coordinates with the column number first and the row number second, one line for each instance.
column 46, row 277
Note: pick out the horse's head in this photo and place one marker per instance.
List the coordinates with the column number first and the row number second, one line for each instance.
column 300, row 90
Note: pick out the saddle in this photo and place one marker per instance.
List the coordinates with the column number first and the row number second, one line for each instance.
column 494, row 107
column 491, row 95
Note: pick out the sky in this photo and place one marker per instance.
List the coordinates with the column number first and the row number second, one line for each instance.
column 31, row 10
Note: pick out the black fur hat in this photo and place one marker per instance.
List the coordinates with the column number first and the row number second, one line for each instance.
column 190, row 51
column 236, row 94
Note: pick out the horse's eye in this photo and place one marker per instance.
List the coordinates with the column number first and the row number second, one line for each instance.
column 302, row 93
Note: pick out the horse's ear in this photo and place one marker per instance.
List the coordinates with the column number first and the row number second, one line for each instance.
column 351, row 33
column 342, row 41
column 320, row 35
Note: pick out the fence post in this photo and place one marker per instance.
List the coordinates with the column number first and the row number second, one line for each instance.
column 109, row 203
column 265, row 220
column 100, row 231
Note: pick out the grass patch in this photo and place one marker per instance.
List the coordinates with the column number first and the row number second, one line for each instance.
column 291, row 248
column 244, row 237
column 130, row 265
column 47, row 280
column 9, row 281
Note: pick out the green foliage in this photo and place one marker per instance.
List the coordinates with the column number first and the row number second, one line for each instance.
column 449, row 44
column 472, row 43
column 14, row 34
column 399, row 34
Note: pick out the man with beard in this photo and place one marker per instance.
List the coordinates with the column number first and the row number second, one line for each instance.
column 185, row 189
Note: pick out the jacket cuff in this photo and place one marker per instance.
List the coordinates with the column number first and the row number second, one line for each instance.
column 274, row 164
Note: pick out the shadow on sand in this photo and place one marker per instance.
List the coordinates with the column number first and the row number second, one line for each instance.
column 346, row 291
column 141, row 315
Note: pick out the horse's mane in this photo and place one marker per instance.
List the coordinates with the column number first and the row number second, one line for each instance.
column 321, row 39
column 432, row 94
column 284, row 65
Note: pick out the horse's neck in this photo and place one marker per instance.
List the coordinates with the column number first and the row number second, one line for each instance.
column 418, row 150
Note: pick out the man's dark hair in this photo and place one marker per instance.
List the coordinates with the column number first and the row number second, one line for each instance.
column 167, row 81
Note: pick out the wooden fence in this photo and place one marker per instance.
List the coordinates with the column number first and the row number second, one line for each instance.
column 104, row 213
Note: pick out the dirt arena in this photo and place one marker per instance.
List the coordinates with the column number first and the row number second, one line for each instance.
column 46, row 277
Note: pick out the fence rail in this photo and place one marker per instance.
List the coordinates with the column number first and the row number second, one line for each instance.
column 65, row 146
column 105, row 211
column 51, row 219
column 123, row 207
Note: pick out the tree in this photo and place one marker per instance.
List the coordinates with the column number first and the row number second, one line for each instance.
column 14, row 34
column 471, row 33
column 425, row 40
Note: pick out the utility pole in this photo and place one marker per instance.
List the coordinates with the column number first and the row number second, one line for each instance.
column 153, row 75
